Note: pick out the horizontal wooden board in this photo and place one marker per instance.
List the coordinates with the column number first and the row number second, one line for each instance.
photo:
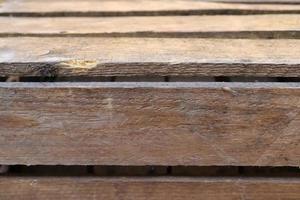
column 141, row 7
column 251, row 26
column 258, row 1
column 194, row 124
column 92, row 56
column 34, row 188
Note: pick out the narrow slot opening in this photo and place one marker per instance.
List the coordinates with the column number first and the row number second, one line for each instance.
column 153, row 79
column 203, row 171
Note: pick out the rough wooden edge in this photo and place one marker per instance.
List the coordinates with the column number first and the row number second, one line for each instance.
column 290, row 34
column 152, row 69
column 152, row 188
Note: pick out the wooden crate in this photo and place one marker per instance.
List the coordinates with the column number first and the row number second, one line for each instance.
column 148, row 99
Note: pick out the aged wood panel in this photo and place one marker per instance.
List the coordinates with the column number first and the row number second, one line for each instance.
column 150, row 124
column 141, row 7
column 79, row 56
column 258, row 1
column 35, row 188
column 251, row 26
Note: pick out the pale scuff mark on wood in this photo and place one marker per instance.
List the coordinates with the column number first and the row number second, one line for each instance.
column 109, row 103
column 13, row 79
column 79, row 64
column 229, row 90
column 6, row 54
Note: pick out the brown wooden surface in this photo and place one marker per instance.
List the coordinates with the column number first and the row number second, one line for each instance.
column 141, row 7
column 34, row 188
column 150, row 123
column 59, row 56
column 110, row 126
column 233, row 26
column 257, row 1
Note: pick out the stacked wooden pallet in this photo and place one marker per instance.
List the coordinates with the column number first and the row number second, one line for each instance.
column 150, row 83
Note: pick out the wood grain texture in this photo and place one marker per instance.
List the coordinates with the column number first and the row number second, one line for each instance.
column 252, row 26
column 34, row 188
column 258, row 1
column 131, row 8
column 77, row 56
column 150, row 124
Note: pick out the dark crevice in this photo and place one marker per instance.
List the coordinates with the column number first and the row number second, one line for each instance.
column 90, row 169
column 84, row 79
column 38, row 79
column 288, row 79
column 169, row 170
column 166, row 79
column 241, row 170
column 213, row 171
column 222, row 79
column 149, row 13
column 152, row 170
column 152, row 79
column 148, row 34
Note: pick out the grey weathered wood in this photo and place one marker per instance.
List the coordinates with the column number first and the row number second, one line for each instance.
column 88, row 56
column 228, row 26
column 196, row 124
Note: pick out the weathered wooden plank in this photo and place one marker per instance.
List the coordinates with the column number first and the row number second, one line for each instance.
column 34, row 188
column 150, row 124
column 79, row 56
column 130, row 8
column 258, row 1
column 251, row 26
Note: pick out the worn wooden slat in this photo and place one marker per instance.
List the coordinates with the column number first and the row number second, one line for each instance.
column 284, row 26
column 150, row 124
column 141, row 7
column 258, row 1
column 35, row 188
column 79, row 56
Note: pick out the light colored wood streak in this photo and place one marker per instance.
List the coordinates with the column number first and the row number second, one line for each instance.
column 166, row 24
column 58, row 56
column 34, row 188
column 117, row 7
column 195, row 124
